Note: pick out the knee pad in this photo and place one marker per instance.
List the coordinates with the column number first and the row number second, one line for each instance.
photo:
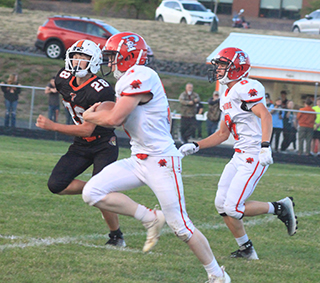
column 232, row 212
column 182, row 233
column 55, row 186
column 219, row 204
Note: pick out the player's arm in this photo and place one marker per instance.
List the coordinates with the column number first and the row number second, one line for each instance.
column 117, row 115
column 266, row 121
column 82, row 130
column 216, row 138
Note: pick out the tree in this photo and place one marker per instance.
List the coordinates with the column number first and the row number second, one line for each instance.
column 313, row 5
column 140, row 7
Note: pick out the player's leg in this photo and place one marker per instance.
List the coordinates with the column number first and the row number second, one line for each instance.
column 235, row 186
column 105, row 195
column 166, row 182
column 105, row 152
column 62, row 179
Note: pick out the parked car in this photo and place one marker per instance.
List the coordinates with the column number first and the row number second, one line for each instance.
column 179, row 11
column 310, row 23
column 58, row 33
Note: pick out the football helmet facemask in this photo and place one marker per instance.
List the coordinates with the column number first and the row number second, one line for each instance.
column 234, row 62
column 88, row 48
column 123, row 50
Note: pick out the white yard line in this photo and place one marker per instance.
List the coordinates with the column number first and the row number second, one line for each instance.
column 25, row 242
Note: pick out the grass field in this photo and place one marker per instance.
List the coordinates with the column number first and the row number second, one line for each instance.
column 48, row 238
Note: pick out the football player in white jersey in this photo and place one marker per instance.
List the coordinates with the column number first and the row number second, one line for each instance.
column 245, row 116
column 143, row 110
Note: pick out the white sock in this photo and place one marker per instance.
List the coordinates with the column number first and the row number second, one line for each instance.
column 213, row 269
column 271, row 208
column 144, row 214
column 242, row 240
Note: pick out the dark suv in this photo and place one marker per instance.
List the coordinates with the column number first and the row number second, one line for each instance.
column 58, row 33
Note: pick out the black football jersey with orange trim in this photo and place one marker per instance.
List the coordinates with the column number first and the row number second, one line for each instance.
column 78, row 99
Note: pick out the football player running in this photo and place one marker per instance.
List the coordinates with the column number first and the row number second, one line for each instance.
column 143, row 109
column 245, row 116
column 93, row 145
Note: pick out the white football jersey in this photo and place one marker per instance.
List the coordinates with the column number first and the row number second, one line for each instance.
column 148, row 125
column 236, row 106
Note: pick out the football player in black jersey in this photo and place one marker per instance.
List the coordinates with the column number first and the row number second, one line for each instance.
column 93, row 145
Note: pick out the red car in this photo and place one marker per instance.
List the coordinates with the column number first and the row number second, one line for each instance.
column 58, row 33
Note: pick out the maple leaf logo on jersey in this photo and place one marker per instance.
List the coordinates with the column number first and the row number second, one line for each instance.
column 249, row 160
column 73, row 96
column 136, row 84
column 253, row 92
column 162, row 162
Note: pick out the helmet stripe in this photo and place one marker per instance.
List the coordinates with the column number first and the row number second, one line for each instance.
column 80, row 43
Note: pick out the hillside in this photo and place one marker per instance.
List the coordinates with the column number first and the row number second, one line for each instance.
column 180, row 43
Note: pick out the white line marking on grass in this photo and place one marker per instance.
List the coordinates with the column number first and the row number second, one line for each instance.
column 79, row 240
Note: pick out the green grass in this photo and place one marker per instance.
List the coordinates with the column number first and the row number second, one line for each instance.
column 49, row 238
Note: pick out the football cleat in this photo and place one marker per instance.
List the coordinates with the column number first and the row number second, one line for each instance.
column 284, row 210
column 246, row 251
column 224, row 279
column 153, row 230
column 116, row 241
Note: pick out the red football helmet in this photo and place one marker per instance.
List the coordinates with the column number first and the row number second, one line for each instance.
column 236, row 65
column 124, row 50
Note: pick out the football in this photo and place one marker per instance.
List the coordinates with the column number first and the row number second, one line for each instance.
column 105, row 105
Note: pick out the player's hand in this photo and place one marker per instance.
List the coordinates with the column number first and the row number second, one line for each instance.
column 93, row 108
column 265, row 156
column 44, row 123
column 189, row 148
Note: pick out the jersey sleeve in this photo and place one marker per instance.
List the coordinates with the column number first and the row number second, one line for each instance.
column 59, row 81
column 100, row 90
column 135, row 82
column 250, row 93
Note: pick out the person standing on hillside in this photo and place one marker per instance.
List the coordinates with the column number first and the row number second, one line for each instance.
column 11, row 97
column 54, row 101
column 142, row 108
column 214, row 112
column 93, row 145
column 316, row 130
column 245, row 116
column 306, row 124
column 188, row 100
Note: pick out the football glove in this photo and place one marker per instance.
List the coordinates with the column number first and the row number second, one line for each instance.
column 189, row 148
column 265, row 155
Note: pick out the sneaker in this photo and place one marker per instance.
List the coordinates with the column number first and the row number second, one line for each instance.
column 246, row 251
column 224, row 279
column 284, row 211
column 116, row 241
column 153, row 230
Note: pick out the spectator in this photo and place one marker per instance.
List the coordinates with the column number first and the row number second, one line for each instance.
column 316, row 128
column 289, row 127
column 284, row 100
column 198, row 128
column 306, row 124
column 268, row 100
column 214, row 112
column 54, row 101
column 11, row 96
column 277, row 122
column 188, row 100
column 68, row 117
